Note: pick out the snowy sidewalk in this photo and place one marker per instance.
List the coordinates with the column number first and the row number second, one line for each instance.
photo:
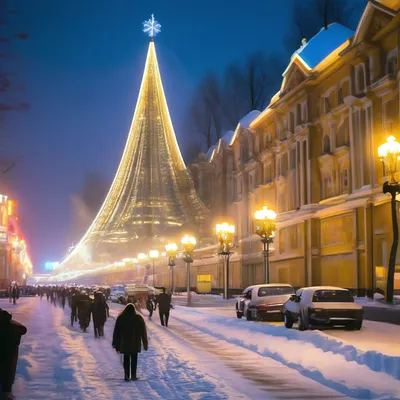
column 58, row 362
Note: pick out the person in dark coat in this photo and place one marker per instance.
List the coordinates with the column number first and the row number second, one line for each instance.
column 129, row 334
column 100, row 311
column 150, row 306
column 164, row 306
column 84, row 308
column 74, row 306
column 10, row 338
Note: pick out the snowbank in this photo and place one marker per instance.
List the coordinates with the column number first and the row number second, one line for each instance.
column 340, row 366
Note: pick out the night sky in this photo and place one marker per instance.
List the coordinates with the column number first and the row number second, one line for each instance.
column 81, row 69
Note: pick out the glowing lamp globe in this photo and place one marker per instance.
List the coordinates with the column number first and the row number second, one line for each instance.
column 188, row 243
column 389, row 154
column 171, row 248
column 154, row 254
column 225, row 228
column 141, row 256
column 265, row 214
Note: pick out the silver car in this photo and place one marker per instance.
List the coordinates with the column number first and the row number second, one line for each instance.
column 323, row 305
column 258, row 302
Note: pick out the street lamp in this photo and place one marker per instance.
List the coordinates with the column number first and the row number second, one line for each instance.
column 389, row 154
column 225, row 233
column 171, row 249
column 265, row 228
column 153, row 255
column 188, row 243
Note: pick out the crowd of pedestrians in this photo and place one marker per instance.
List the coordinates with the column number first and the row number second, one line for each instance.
column 86, row 304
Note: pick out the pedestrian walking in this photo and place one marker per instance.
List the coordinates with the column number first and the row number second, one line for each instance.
column 100, row 311
column 10, row 338
column 150, row 306
column 164, row 306
column 84, row 311
column 129, row 334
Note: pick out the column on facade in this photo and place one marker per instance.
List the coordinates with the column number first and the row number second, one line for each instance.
column 312, row 252
column 301, row 172
column 353, row 149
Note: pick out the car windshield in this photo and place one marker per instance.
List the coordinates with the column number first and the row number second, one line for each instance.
column 274, row 291
column 332, row 296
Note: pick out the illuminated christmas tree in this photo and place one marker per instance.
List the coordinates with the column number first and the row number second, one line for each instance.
column 152, row 194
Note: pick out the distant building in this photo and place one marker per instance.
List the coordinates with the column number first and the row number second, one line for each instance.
column 311, row 155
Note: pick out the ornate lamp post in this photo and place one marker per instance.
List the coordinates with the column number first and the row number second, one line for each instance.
column 188, row 243
column 171, row 249
column 389, row 153
column 153, row 255
column 265, row 228
column 225, row 233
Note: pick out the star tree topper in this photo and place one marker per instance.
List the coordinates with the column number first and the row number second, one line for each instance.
column 151, row 26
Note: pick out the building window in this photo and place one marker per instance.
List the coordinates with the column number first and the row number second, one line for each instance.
column 291, row 122
column 340, row 96
column 285, row 164
column 389, row 116
column 343, row 138
column 298, row 114
column 345, row 180
column 360, row 79
column 327, row 144
column 293, row 158
column 327, row 105
column 391, row 62
column 267, row 173
column 328, row 192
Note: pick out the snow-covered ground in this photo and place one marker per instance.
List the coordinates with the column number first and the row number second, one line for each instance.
column 374, row 336
column 204, row 354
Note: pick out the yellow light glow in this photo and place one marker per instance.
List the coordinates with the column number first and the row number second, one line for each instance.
column 188, row 240
column 135, row 260
column 171, row 248
column 389, row 154
column 154, row 254
column 265, row 214
column 141, row 256
column 225, row 227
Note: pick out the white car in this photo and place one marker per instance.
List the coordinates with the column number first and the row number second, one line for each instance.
column 258, row 302
column 323, row 305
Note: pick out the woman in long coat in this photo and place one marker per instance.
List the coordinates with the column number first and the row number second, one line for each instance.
column 129, row 334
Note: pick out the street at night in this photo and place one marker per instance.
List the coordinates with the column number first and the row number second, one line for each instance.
column 199, row 200
column 196, row 357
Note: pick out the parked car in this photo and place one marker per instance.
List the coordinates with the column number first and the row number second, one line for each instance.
column 116, row 295
column 323, row 305
column 258, row 302
column 3, row 293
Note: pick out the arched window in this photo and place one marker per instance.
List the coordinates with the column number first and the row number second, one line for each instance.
column 327, row 144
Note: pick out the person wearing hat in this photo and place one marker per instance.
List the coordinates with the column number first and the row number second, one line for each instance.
column 129, row 334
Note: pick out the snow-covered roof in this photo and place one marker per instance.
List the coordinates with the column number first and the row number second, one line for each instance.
column 227, row 138
column 323, row 44
column 248, row 119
